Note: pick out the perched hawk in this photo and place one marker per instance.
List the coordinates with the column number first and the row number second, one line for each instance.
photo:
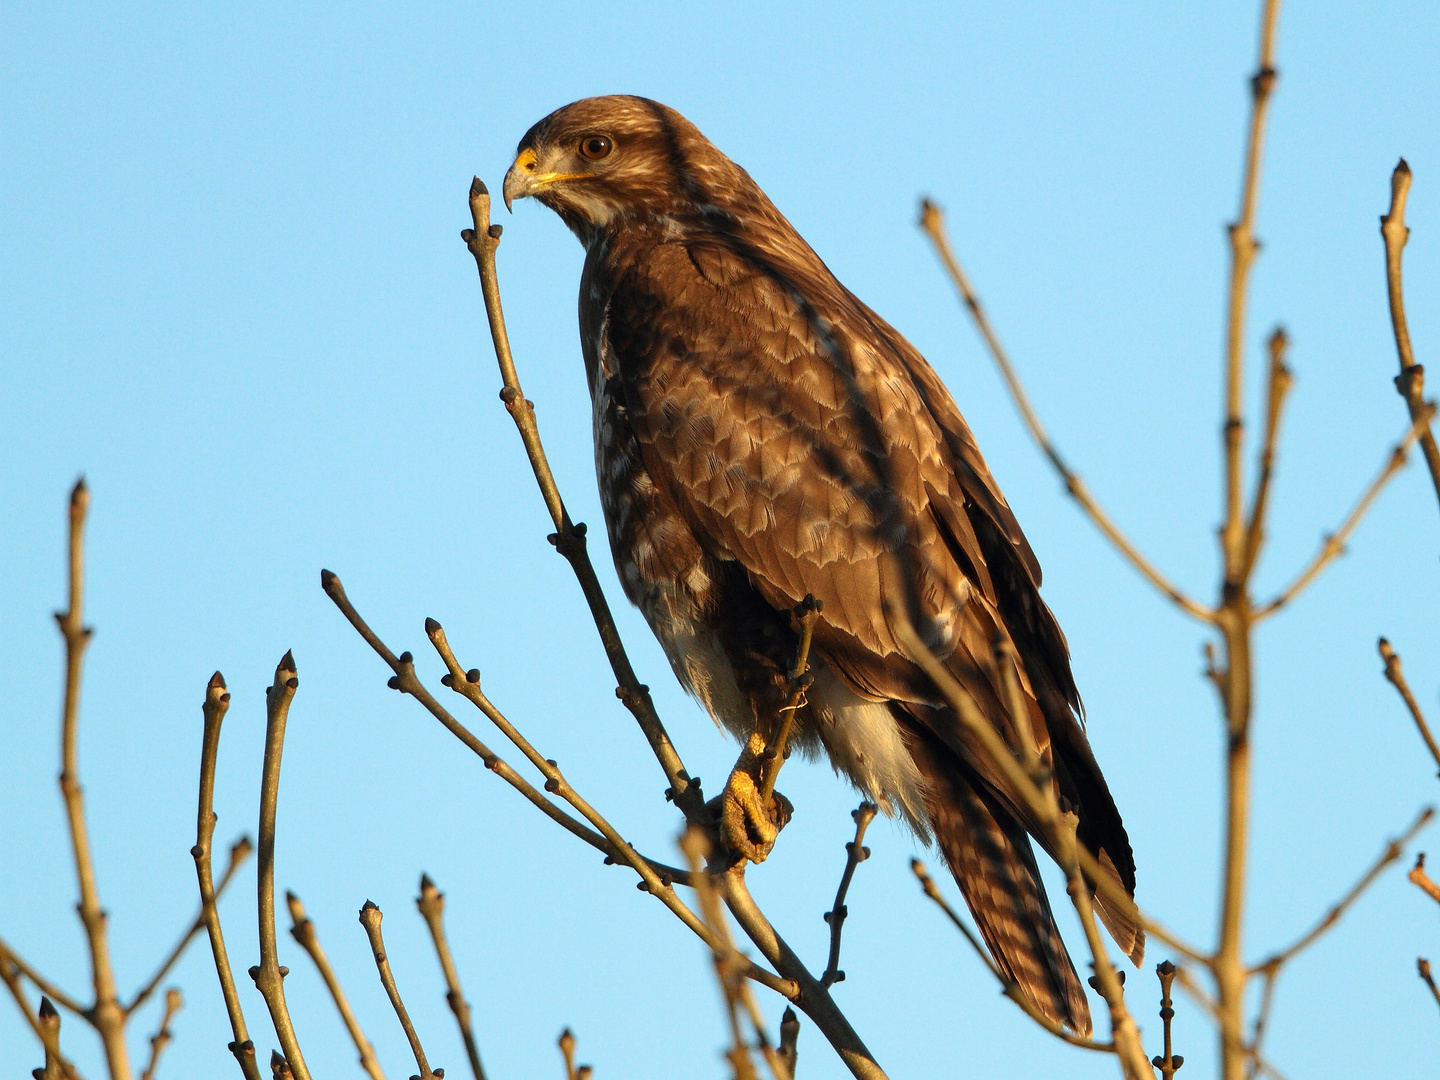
column 761, row 435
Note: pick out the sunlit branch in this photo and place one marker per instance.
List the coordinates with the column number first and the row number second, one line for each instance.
column 1396, row 675
column 163, row 1036
column 303, row 931
column 44, row 985
column 806, row 614
column 431, row 903
column 1423, row 967
column 1422, row 880
column 855, row 853
column 932, row 221
column 1169, row 1062
column 370, row 917
column 1278, row 386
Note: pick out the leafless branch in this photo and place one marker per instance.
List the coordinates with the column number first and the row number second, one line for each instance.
column 48, row 1026
column 1411, row 381
column 855, row 854
column 302, row 929
column 806, row 614
column 566, row 1042
column 105, row 1014
column 789, row 1040
column 161, row 1039
column 1278, row 385
column 370, row 917
column 932, row 221
column 1420, row 879
column 431, row 903
column 1010, row 989
column 1423, row 966
column 217, row 703
column 239, row 852
column 1168, row 1063
column 1396, row 675
column 569, row 539
column 44, row 985
column 1334, row 543
column 268, row 974
column 10, row 975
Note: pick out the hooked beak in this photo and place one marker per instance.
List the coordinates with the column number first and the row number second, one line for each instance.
column 524, row 178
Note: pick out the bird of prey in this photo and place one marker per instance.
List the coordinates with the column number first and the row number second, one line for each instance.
column 761, row 436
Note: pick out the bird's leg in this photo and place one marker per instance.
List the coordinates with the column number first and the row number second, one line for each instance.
column 748, row 820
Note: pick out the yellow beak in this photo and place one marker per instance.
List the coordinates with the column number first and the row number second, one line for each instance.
column 524, row 179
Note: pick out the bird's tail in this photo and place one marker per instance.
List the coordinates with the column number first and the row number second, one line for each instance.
column 988, row 851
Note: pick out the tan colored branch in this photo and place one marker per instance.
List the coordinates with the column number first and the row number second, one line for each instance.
column 855, row 853
column 10, row 975
column 1334, row 543
column 217, row 703
column 789, row 1041
column 1393, row 850
column 105, row 1014
column 1007, row 987
column 1168, row 1063
column 268, row 974
column 1410, row 383
column 431, row 903
column 239, row 852
column 1419, row 878
column 776, row 753
column 1278, row 386
column 1396, row 676
column 48, row 1027
column 44, row 985
column 161, row 1039
column 569, row 539
column 1423, row 967
column 370, row 917
column 566, row 1042
column 932, row 221
column 303, row 931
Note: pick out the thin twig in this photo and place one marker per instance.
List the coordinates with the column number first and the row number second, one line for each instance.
column 1278, row 386
column 239, row 852
column 1419, row 878
column 302, row 929
column 370, row 917
column 1393, row 850
column 44, row 985
column 1010, row 989
column 855, row 853
column 105, row 1014
column 1410, row 383
column 161, row 1039
column 932, row 221
column 789, row 1052
column 569, row 539
column 10, row 975
column 217, row 703
column 268, row 974
column 1423, row 966
column 566, row 1042
column 776, row 753
column 1169, row 1063
column 48, row 1027
column 1396, row 675
column 431, row 903
column 1334, row 543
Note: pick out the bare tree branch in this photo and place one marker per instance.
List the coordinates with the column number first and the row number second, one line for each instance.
column 1334, row 543
column 10, row 975
column 855, row 854
column 268, row 974
column 1396, row 676
column 569, row 539
column 1278, row 385
column 217, row 703
column 48, row 1025
column 239, row 852
column 1410, row 383
column 806, row 614
column 44, row 985
column 302, row 929
column 932, row 221
column 431, row 903
column 161, row 1039
column 1420, row 879
column 1168, row 1063
column 105, row 1014
column 370, row 917
column 1423, row 966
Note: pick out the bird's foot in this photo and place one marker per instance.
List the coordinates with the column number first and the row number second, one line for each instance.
column 748, row 822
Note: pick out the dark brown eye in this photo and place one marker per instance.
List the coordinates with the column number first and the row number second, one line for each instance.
column 595, row 147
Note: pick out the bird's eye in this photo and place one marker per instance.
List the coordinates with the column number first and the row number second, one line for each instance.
column 595, row 147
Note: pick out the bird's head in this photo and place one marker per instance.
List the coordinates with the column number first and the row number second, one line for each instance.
column 603, row 159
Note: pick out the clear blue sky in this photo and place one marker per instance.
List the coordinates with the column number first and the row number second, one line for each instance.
column 233, row 296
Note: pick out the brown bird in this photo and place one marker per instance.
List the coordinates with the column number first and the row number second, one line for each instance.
column 762, row 436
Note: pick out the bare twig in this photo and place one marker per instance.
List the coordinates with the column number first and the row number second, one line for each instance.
column 806, row 613
column 161, row 1039
column 855, row 854
column 1010, row 989
column 303, row 931
column 1410, row 383
column 1393, row 850
column 239, row 852
column 1419, row 878
column 1423, row 967
column 431, row 903
column 10, row 975
column 268, row 974
column 370, row 917
column 566, row 1042
column 105, row 1014
column 1169, row 1063
column 1396, row 675
column 932, row 221
column 217, row 703
column 48, row 1027
column 1278, row 385
column 44, row 985
column 569, row 539
column 1334, row 543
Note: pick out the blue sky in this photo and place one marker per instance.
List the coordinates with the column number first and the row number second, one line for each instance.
column 232, row 295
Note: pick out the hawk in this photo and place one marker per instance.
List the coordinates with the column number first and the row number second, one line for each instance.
column 761, row 436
